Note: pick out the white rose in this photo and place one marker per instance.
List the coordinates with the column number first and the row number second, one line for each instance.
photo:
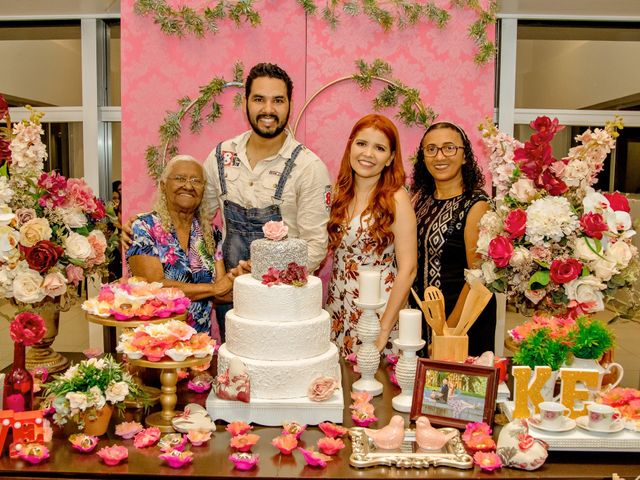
column 9, row 239
column 473, row 275
column 619, row 253
column 27, row 287
column 521, row 257
column 583, row 249
column 97, row 399
column 604, row 269
column 6, row 214
column 482, row 245
column 6, row 193
column 523, row 190
column 587, row 292
column 73, row 217
column 77, row 400
column 116, row 392
column 55, row 284
column 33, row 231
column 489, row 272
column 491, row 223
column 77, row 246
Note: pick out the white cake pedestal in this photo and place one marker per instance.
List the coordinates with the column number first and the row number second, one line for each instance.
column 406, row 374
column 274, row 413
column 368, row 356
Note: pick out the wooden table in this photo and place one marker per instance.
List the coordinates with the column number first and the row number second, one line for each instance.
column 210, row 460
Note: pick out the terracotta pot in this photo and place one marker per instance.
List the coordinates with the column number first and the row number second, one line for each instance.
column 99, row 425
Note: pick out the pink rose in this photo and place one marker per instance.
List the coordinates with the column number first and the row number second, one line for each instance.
column 593, row 225
column 516, row 223
column 618, row 202
column 275, row 230
column 563, row 271
column 54, row 284
column 75, row 274
column 322, row 388
column 501, row 251
column 98, row 244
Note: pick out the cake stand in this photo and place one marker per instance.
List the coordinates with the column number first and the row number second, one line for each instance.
column 168, row 380
column 153, row 394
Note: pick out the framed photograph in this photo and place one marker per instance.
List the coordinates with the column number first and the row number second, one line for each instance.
column 453, row 394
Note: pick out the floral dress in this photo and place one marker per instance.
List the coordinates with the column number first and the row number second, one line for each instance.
column 355, row 252
column 197, row 266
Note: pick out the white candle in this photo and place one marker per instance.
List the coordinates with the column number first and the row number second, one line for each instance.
column 410, row 326
column 369, row 286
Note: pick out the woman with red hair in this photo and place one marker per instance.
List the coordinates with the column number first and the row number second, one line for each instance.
column 372, row 227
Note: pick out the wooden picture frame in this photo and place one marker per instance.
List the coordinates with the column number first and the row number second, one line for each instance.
column 453, row 394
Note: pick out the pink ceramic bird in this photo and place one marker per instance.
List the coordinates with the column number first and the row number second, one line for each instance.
column 389, row 437
column 429, row 438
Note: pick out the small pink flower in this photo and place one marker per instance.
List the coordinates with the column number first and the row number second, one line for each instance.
column 128, row 430
column 361, row 419
column 113, row 455
column 352, row 358
column 243, row 443
column 322, row 389
column 200, row 383
column 314, row 459
column 488, row 461
column 293, row 428
column 238, row 428
column 177, row 458
column 34, row 453
column 244, row 461
column 481, row 442
column 92, row 352
column 475, row 429
column 285, row 443
column 392, row 358
column 147, row 437
column 360, row 398
column 332, row 430
column 83, row 443
column 330, row 446
column 75, row 274
column 198, row 437
column 275, row 230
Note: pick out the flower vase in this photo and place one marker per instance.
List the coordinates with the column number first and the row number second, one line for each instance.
column 18, row 384
column 41, row 354
column 98, row 425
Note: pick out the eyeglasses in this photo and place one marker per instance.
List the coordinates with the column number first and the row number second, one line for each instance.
column 448, row 150
column 182, row 181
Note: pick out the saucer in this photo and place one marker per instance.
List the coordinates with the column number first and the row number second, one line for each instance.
column 583, row 422
column 568, row 424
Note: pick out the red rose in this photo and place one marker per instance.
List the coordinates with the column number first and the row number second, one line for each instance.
column 43, row 255
column 553, row 184
column 501, row 251
column 618, row 202
column 593, row 225
column 27, row 328
column 563, row 271
column 516, row 223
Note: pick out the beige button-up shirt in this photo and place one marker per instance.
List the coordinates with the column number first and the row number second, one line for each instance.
column 306, row 198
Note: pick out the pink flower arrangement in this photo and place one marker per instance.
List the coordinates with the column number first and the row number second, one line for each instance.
column 238, row 428
column 313, row 458
column 551, row 242
column 294, row 274
column 330, row 446
column 128, row 430
column 147, row 437
column 177, row 458
column 487, row 461
column 27, row 328
column 47, row 223
column 293, row 428
column 626, row 400
column 244, row 461
column 557, row 327
column 244, row 443
column 285, row 443
column 113, row 455
column 332, row 430
column 83, row 443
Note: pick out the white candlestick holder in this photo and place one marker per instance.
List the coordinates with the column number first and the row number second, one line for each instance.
column 406, row 374
column 368, row 356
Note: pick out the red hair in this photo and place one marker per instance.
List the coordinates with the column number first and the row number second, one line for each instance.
column 382, row 207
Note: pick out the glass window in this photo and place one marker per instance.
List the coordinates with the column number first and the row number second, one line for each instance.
column 572, row 65
column 113, row 59
column 41, row 63
column 64, row 148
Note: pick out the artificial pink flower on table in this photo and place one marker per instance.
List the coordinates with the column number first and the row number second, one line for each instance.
column 487, row 461
column 113, row 455
column 172, row 441
column 128, row 430
column 198, row 437
column 83, row 443
column 330, row 446
column 147, row 437
column 481, row 443
column 474, row 429
column 34, row 453
column 392, row 358
column 244, row 461
column 332, row 430
column 362, row 418
column 200, row 383
column 285, row 443
column 360, row 398
column 313, row 458
column 238, row 428
column 177, row 458
column 244, row 443
column 293, row 428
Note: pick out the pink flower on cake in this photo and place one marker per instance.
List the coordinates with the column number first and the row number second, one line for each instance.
column 275, row 230
column 285, row 443
column 322, row 389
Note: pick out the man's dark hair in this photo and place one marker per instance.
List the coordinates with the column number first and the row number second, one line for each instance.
column 270, row 70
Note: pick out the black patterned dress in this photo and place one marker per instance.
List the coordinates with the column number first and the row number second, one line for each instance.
column 442, row 260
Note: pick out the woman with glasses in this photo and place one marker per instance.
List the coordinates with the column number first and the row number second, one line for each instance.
column 174, row 246
column 372, row 226
column 449, row 202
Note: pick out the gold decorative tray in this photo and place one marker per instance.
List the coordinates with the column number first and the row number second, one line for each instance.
column 409, row 455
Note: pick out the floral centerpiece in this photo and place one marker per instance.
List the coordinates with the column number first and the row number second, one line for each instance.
column 89, row 386
column 551, row 242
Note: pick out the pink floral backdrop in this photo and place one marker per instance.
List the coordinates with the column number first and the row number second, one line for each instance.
column 158, row 69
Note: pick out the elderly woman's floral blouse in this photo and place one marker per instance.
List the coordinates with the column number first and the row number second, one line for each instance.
column 196, row 266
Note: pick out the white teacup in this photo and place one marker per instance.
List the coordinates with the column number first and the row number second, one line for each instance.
column 552, row 414
column 601, row 416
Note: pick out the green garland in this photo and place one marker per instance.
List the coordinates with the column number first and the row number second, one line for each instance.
column 411, row 110
column 185, row 20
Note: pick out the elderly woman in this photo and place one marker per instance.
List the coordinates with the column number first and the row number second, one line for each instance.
column 176, row 246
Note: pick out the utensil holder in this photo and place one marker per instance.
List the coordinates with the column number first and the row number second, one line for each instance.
column 453, row 348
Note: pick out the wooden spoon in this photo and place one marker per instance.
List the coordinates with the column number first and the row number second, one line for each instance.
column 474, row 304
column 435, row 303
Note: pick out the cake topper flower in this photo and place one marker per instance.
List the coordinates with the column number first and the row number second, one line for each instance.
column 285, row 443
column 244, row 461
column 322, row 388
column 313, row 458
column 330, row 446
column 113, row 455
column 332, row 430
column 275, row 230
column 27, row 328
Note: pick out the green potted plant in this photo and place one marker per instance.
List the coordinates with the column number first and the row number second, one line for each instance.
column 540, row 348
column 590, row 338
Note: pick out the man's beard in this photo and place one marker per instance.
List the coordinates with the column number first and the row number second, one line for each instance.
column 267, row 134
